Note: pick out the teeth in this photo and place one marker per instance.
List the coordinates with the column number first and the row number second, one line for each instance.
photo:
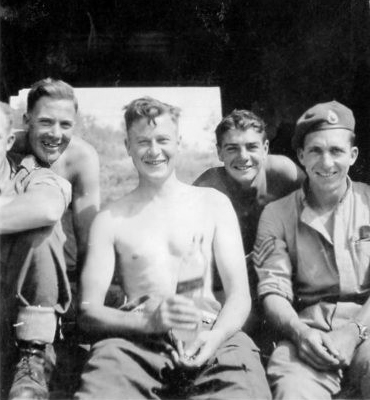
column 52, row 145
column 326, row 175
column 242, row 168
column 157, row 162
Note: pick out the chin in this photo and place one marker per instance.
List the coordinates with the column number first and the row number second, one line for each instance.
column 246, row 178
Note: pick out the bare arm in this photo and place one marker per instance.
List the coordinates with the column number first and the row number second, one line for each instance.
column 96, row 277
column 85, row 197
column 229, row 256
column 42, row 205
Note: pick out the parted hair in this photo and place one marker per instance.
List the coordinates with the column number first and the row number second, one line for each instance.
column 241, row 120
column 49, row 87
column 149, row 108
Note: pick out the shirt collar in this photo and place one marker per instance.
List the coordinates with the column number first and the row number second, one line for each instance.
column 305, row 189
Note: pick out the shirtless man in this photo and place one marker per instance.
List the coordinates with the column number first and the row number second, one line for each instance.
column 171, row 335
column 250, row 178
column 34, row 285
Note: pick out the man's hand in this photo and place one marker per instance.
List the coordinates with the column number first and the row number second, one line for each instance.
column 176, row 312
column 318, row 349
column 201, row 350
column 345, row 340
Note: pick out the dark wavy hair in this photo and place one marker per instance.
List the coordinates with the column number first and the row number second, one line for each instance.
column 241, row 120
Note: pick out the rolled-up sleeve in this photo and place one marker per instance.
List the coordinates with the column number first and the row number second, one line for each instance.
column 47, row 177
column 275, row 271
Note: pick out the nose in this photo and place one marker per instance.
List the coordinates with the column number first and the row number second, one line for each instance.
column 154, row 149
column 243, row 153
column 56, row 131
column 327, row 160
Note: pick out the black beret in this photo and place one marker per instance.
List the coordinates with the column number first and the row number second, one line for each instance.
column 323, row 116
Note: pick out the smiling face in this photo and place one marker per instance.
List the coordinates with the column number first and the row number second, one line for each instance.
column 153, row 147
column 243, row 153
column 327, row 156
column 50, row 126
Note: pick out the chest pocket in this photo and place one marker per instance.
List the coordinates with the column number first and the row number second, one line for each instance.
column 361, row 254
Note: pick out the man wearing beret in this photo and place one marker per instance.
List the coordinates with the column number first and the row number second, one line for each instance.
column 315, row 284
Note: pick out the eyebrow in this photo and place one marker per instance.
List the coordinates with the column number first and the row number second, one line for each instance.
column 238, row 144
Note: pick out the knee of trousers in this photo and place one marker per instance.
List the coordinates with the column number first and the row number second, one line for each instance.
column 36, row 323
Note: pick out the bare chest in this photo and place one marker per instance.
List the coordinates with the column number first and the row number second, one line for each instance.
column 154, row 249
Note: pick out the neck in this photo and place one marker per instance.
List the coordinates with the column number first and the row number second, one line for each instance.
column 258, row 182
column 325, row 201
column 158, row 188
column 4, row 171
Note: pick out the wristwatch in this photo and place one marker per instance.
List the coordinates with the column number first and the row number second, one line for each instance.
column 363, row 330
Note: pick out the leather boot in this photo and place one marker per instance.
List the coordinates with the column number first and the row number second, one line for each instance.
column 33, row 371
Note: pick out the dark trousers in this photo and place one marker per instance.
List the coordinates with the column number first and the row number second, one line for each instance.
column 141, row 368
column 32, row 273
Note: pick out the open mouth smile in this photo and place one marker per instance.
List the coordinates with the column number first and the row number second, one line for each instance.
column 242, row 167
column 50, row 145
column 325, row 175
column 155, row 162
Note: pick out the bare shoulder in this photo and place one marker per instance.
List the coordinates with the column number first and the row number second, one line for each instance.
column 124, row 208
column 284, row 167
column 107, row 217
column 79, row 163
column 210, row 197
column 78, row 149
column 276, row 162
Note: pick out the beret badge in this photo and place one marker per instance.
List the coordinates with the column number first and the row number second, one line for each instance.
column 332, row 117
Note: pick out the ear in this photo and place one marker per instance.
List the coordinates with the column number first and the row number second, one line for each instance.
column 354, row 155
column 26, row 121
column 127, row 145
column 10, row 141
column 219, row 153
column 179, row 140
column 266, row 147
column 300, row 155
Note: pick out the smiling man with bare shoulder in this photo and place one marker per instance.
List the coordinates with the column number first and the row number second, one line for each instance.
column 171, row 337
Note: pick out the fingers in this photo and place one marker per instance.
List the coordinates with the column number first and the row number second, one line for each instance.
column 194, row 348
column 176, row 312
column 182, row 311
column 331, row 348
column 313, row 351
column 314, row 361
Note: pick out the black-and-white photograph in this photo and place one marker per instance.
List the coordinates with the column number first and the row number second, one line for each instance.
column 184, row 199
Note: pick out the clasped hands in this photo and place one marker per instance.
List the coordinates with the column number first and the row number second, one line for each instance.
column 326, row 351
